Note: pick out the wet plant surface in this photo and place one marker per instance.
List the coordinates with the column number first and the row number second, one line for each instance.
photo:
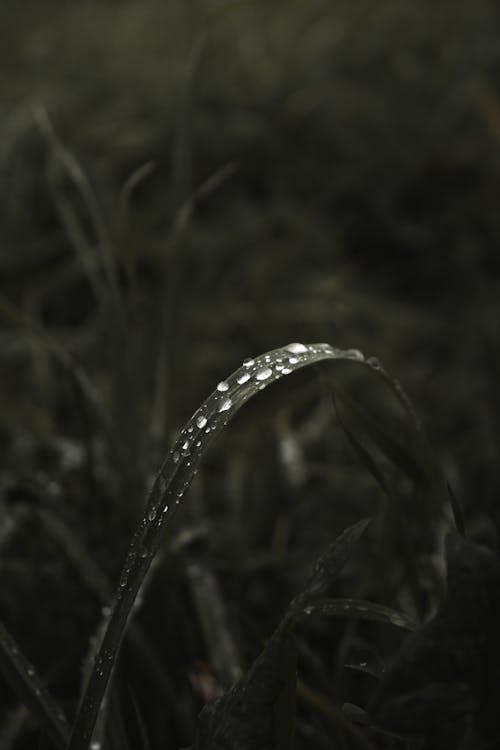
column 210, row 537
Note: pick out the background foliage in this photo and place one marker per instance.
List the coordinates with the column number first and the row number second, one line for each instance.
column 186, row 184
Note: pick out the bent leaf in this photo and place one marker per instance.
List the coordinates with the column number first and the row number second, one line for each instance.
column 175, row 477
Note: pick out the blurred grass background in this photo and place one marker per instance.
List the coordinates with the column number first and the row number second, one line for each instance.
column 186, row 184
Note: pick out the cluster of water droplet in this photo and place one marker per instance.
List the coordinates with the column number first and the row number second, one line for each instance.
column 253, row 376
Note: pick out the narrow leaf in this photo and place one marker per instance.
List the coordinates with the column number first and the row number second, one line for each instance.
column 258, row 712
column 23, row 679
column 171, row 484
column 361, row 608
column 363, row 455
column 328, row 567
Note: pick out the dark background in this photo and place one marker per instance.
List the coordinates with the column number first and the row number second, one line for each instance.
column 186, row 184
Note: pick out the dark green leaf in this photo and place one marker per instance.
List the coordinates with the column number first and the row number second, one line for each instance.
column 21, row 676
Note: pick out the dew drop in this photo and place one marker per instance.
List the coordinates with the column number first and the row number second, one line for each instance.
column 243, row 378
column 263, row 374
column 152, row 514
column 176, row 457
column 293, row 360
column 165, row 509
column 354, row 354
column 198, row 443
column 190, row 428
column 226, row 404
column 296, row 348
column 374, row 363
column 223, row 386
column 286, row 371
column 248, row 362
column 201, row 421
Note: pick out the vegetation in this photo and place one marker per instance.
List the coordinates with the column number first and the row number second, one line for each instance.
column 184, row 186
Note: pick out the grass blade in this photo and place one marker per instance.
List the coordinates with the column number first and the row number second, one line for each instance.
column 363, row 454
column 327, row 568
column 170, row 486
column 361, row 608
column 23, row 679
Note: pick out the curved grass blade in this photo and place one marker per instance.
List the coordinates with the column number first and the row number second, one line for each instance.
column 361, row 608
column 172, row 482
column 23, row 679
column 328, row 566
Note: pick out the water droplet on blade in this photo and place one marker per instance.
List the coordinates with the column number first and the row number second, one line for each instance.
column 263, row 374
column 296, row 348
column 201, row 421
column 243, row 378
column 222, row 386
column 248, row 362
column 226, row 404
column 354, row 354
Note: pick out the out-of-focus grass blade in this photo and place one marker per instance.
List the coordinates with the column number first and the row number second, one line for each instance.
column 363, row 454
column 419, row 469
column 171, row 484
column 361, row 608
column 139, row 721
column 82, row 382
column 328, row 566
column 259, row 711
column 23, row 679
column 63, row 163
column 209, row 604
column 241, row 718
column 457, row 510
